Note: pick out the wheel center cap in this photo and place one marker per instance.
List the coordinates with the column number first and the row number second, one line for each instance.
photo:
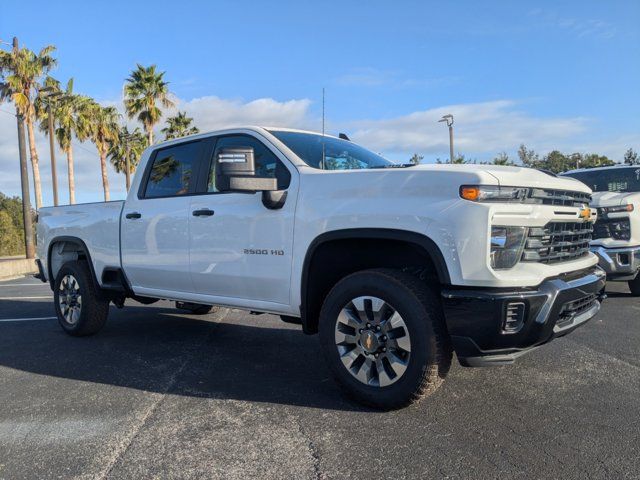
column 369, row 341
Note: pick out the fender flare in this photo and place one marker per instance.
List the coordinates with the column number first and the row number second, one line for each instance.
column 83, row 249
column 423, row 241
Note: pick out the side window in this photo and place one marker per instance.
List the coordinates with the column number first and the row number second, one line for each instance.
column 266, row 163
column 172, row 171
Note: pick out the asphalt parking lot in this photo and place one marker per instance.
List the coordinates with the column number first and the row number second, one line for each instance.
column 160, row 394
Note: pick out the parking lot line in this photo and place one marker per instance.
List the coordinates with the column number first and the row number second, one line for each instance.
column 32, row 319
column 40, row 297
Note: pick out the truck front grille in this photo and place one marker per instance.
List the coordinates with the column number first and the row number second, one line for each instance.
column 564, row 198
column 557, row 242
column 616, row 228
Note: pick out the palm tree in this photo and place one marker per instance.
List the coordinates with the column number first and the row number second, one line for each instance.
column 103, row 130
column 143, row 90
column 130, row 144
column 24, row 69
column 70, row 119
column 179, row 126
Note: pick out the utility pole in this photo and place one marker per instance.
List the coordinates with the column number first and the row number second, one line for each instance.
column 24, row 180
column 449, row 120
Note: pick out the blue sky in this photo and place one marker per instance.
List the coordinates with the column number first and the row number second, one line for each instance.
column 547, row 74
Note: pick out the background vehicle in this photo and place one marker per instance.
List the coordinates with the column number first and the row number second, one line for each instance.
column 616, row 236
column 395, row 266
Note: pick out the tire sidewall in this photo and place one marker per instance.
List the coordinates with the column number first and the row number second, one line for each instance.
column 417, row 320
column 72, row 268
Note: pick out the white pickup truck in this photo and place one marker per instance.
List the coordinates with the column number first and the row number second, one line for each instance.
column 396, row 266
column 616, row 236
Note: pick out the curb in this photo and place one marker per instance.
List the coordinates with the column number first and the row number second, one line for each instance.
column 17, row 268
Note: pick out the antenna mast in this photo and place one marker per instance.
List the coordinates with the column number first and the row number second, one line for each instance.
column 323, row 151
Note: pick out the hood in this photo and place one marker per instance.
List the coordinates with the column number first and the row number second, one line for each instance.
column 610, row 199
column 516, row 176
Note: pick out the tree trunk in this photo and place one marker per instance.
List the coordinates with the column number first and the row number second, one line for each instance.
column 72, row 184
column 105, row 179
column 34, row 162
column 150, row 134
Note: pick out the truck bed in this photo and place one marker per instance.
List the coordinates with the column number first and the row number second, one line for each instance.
column 96, row 224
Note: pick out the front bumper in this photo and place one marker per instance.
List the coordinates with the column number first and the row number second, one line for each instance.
column 495, row 326
column 619, row 263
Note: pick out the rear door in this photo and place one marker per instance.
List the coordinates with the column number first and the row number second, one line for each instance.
column 155, row 222
column 240, row 249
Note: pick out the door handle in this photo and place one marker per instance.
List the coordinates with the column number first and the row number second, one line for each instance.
column 203, row 212
column 133, row 215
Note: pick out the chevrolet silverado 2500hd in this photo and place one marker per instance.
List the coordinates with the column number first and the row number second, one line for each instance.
column 395, row 266
column 616, row 236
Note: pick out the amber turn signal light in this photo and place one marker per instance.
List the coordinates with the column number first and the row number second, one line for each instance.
column 470, row 193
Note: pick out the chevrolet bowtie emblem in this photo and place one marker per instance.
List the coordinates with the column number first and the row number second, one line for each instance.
column 585, row 213
column 368, row 342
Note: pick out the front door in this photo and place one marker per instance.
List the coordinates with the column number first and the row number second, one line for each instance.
column 155, row 221
column 239, row 248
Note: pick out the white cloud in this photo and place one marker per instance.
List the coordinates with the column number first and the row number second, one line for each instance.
column 578, row 27
column 211, row 113
column 479, row 128
column 373, row 77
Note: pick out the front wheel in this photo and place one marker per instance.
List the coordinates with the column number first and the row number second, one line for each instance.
column 634, row 286
column 80, row 307
column 384, row 337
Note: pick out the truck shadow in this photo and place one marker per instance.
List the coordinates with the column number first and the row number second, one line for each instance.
column 241, row 357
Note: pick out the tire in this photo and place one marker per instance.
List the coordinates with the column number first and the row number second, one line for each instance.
column 634, row 286
column 421, row 328
column 194, row 308
column 80, row 307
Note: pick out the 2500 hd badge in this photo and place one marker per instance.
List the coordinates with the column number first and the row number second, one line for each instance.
column 262, row 251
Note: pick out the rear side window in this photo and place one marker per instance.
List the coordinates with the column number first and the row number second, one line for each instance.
column 171, row 174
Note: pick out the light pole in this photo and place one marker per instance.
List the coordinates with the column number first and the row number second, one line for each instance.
column 449, row 120
column 50, row 95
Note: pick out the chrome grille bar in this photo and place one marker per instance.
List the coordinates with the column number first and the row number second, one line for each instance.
column 558, row 242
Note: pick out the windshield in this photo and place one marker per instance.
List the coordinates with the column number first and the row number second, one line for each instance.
column 338, row 154
column 611, row 180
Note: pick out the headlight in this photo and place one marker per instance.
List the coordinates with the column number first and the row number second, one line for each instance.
column 490, row 193
column 619, row 208
column 621, row 230
column 506, row 246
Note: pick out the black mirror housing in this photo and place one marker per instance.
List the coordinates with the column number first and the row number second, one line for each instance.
column 274, row 199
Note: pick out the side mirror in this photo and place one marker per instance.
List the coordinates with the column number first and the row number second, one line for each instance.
column 272, row 198
column 236, row 161
column 236, row 171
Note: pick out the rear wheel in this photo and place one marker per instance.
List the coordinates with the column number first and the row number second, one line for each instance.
column 384, row 338
column 634, row 286
column 80, row 307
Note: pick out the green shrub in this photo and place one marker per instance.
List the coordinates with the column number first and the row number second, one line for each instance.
column 11, row 226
